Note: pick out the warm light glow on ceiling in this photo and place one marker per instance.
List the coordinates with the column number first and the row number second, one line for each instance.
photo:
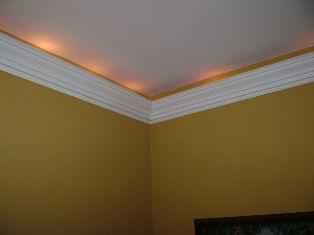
column 306, row 40
column 105, row 69
column 46, row 44
column 134, row 86
column 205, row 74
column 97, row 68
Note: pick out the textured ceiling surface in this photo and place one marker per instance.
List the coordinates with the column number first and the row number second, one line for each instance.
column 154, row 46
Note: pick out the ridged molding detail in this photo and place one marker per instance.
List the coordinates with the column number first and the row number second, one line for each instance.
column 32, row 64
column 35, row 65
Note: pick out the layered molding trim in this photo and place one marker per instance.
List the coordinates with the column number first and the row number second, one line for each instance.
column 35, row 65
column 279, row 76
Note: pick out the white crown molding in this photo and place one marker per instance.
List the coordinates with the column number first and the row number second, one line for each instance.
column 34, row 65
column 282, row 75
column 37, row 66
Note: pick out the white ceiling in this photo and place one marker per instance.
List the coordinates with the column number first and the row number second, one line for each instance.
column 157, row 45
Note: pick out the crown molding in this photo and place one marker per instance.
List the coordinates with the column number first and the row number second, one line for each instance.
column 282, row 75
column 33, row 64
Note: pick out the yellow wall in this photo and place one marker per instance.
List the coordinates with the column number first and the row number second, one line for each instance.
column 69, row 167
column 252, row 157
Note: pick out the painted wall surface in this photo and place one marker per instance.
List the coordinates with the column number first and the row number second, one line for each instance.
column 69, row 167
column 251, row 157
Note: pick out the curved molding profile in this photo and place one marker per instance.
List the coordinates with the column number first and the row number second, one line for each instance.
column 35, row 65
column 282, row 75
column 32, row 64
